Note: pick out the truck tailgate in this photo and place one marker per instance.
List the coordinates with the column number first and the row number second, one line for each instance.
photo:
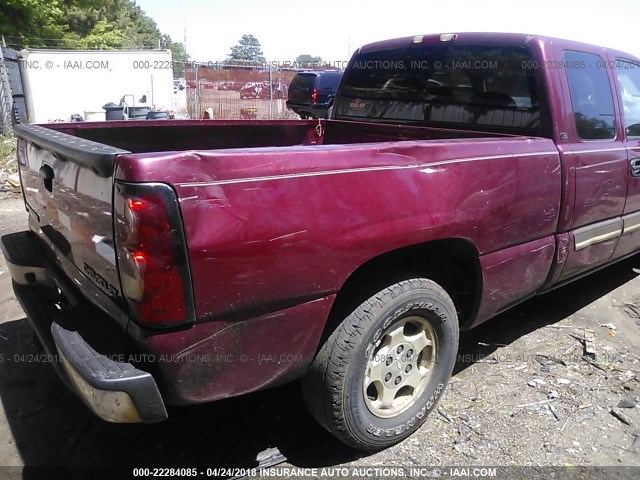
column 67, row 183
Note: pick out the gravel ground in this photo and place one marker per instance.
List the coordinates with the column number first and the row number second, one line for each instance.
column 554, row 381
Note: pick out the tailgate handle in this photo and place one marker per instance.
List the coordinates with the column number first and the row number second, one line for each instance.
column 46, row 172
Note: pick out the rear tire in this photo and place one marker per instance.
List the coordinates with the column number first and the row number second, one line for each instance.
column 383, row 369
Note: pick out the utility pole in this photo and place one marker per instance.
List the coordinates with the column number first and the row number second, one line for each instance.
column 197, row 94
column 184, row 39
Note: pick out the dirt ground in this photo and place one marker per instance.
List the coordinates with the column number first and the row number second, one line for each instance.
column 523, row 393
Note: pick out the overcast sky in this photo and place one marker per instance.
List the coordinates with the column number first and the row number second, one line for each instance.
column 333, row 29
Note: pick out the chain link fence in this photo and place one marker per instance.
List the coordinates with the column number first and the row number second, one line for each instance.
column 13, row 107
column 6, row 101
column 238, row 92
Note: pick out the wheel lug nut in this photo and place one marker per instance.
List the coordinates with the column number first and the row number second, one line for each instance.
column 409, row 354
column 408, row 369
column 389, row 361
column 387, row 377
column 400, row 349
column 398, row 380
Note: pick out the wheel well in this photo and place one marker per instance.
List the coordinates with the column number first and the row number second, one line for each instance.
column 452, row 263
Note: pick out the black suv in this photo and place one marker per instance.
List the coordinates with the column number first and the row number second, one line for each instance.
column 311, row 93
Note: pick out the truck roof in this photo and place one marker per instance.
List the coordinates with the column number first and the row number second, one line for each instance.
column 485, row 38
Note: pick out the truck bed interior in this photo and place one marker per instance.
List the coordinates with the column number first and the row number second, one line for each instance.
column 181, row 135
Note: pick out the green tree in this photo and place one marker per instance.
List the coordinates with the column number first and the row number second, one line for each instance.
column 142, row 30
column 84, row 24
column 308, row 61
column 103, row 36
column 33, row 23
column 246, row 52
column 81, row 21
column 178, row 55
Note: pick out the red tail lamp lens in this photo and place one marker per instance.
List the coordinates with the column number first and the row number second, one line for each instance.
column 152, row 256
column 136, row 205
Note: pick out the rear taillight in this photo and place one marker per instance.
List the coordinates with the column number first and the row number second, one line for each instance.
column 152, row 255
column 314, row 96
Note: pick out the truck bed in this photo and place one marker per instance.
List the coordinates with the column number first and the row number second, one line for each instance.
column 159, row 136
column 278, row 215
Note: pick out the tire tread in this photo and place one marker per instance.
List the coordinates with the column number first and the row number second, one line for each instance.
column 323, row 386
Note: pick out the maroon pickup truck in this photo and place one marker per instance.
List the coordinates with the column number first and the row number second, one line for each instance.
column 181, row 262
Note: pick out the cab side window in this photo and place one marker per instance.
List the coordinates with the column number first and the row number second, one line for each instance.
column 628, row 74
column 591, row 96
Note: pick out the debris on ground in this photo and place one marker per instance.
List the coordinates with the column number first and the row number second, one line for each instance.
column 628, row 402
column 444, row 415
column 589, row 343
column 587, row 339
column 533, row 404
column 9, row 179
column 632, row 309
column 269, row 457
column 609, row 325
column 13, row 180
column 463, row 435
column 554, row 411
column 617, row 414
column 546, row 360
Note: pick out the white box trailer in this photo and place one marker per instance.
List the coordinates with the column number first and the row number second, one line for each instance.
column 59, row 84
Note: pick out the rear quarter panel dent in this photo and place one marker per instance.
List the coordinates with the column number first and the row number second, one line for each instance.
column 262, row 240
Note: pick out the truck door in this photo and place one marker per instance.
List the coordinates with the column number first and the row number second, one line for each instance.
column 627, row 76
column 597, row 162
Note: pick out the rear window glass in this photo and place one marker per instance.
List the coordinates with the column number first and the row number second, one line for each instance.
column 491, row 87
column 329, row 80
column 304, row 81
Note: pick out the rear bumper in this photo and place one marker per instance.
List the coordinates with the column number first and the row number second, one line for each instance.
column 318, row 110
column 207, row 361
column 114, row 390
